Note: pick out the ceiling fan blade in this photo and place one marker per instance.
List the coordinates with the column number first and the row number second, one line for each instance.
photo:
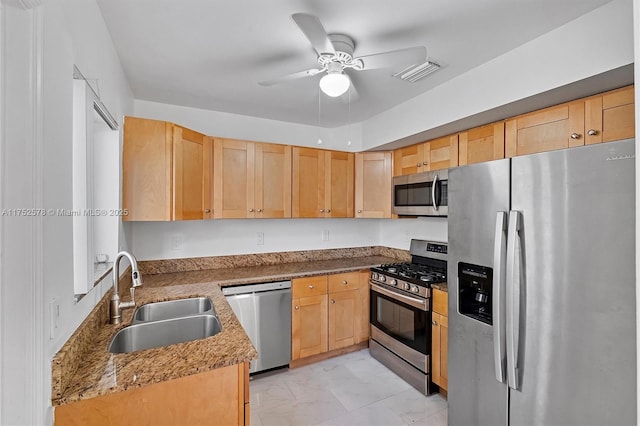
column 395, row 58
column 313, row 29
column 306, row 73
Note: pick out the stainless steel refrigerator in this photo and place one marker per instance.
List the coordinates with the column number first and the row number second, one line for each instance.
column 542, row 326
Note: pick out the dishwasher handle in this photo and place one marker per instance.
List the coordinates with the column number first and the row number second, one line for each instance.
column 256, row 288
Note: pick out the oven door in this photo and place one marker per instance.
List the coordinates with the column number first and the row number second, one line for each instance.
column 401, row 317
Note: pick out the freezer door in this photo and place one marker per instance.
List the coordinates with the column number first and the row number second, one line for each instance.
column 476, row 193
column 576, row 341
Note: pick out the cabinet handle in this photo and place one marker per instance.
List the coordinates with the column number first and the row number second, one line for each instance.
column 333, row 302
column 259, row 210
column 434, row 322
column 311, row 286
column 297, row 308
column 418, row 165
column 424, row 163
column 592, row 132
column 344, row 282
column 575, row 135
column 328, row 210
column 250, row 210
column 207, row 210
column 321, row 210
column 359, row 211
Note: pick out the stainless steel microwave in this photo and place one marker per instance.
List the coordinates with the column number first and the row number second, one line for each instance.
column 421, row 194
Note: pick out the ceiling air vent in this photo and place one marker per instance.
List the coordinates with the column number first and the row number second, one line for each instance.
column 417, row 72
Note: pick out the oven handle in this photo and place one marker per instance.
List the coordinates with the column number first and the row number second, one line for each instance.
column 417, row 303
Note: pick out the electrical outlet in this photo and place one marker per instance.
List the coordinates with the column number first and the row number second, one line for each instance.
column 54, row 317
column 325, row 235
column 260, row 238
column 176, row 242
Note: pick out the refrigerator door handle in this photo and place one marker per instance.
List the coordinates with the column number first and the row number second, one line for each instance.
column 513, row 297
column 498, row 303
column 433, row 192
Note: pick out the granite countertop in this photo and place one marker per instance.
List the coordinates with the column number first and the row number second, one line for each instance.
column 441, row 286
column 101, row 372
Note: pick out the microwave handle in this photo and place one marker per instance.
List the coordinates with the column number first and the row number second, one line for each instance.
column 433, row 192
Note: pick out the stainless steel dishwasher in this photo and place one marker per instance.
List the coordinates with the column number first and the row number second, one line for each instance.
column 264, row 310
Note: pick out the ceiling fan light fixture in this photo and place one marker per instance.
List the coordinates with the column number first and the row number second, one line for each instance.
column 335, row 84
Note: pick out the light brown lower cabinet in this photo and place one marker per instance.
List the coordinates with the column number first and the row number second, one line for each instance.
column 220, row 396
column 439, row 339
column 328, row 313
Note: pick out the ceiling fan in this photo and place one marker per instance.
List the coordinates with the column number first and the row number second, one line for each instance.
column 335, row 56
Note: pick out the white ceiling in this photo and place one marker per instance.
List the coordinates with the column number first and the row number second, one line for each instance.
column 211, row 54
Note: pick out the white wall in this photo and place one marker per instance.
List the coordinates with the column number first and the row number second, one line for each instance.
column 66, row 33
column 599, row 41
column 160, row 240
column 226, row 125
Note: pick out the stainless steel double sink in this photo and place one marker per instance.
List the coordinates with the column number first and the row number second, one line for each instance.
column 167, row 323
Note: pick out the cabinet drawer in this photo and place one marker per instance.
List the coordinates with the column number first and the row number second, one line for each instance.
column 344, row 282
column 311, row 286
column 440, row 302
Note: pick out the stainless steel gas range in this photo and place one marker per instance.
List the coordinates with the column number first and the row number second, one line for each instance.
column 401, row 312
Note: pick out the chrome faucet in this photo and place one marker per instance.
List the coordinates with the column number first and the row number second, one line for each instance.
column 116, row 305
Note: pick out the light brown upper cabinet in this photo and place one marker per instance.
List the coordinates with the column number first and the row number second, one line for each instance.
column 322, row 183
column 610, row 116
column 481, row 144
column 557, row 127
column 251, row 179
column 435, row 154
column 373, row 184
column 602, row 118
column 166, row 171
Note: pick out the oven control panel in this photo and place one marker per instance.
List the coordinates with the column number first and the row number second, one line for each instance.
column 437, row 248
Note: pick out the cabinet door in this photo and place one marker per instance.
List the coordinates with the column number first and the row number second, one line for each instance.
column 308, row 186
column 373, row 185
column 485, row 143
column 146, row 170
column 339, row 179
column 441, row 153
column 188, row 174
column 344, row 319
column 552, row 128
column 439, row 349
column 273, row 180
column 233, row 178
column 308, row 326
column 610, row 116
column 409, row 160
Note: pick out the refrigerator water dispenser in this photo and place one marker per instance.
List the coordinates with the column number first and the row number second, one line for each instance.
column 475, row 286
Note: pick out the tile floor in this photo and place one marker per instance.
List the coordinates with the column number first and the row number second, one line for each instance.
column 352, row 389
